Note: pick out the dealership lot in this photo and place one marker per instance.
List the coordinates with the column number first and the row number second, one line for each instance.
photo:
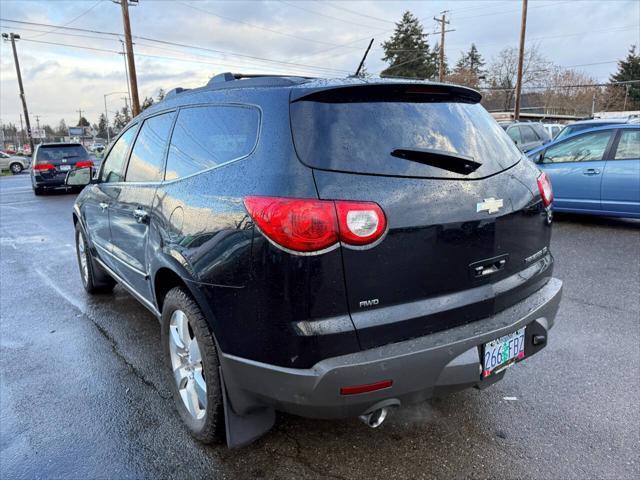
column 82, row 393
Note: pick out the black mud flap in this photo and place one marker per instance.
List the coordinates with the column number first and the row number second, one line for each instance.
column 242, row 430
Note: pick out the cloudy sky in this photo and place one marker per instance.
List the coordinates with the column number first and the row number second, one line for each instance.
column 313, row 37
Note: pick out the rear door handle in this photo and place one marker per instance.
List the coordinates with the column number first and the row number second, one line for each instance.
column 591, row 171
column 104, row 206
column 141, row 215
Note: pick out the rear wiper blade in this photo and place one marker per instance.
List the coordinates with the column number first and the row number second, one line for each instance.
column 453, row 162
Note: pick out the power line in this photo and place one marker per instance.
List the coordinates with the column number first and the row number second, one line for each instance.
column 512, row 11
column 270, row 30
column 73, row 46
column 72, row 20
column 27, row 29
column 305, row 9
column 183, row 45
column 354, row 12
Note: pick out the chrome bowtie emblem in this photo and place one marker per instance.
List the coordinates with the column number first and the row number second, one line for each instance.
column 490, row 205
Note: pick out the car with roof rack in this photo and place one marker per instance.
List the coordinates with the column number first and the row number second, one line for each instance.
column 326, row 248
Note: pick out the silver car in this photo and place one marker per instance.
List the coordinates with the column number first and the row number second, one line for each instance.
column 14, row 163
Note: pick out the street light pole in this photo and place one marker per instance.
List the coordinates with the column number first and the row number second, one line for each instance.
column 106, row 112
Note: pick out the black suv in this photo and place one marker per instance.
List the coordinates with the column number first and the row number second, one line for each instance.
column 324, row 248
column 53, row 161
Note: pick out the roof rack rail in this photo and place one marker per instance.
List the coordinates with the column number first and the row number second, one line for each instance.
column 174, row 92
column 222, row 78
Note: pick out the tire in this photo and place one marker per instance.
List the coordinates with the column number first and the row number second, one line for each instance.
column 37, row 191
column 94, row 279
column 16, row 168
column 182, row 324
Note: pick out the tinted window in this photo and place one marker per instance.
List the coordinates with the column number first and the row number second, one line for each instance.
column 113, row 170
column 590, row 146
column 55, row 153
column 360, row 136
column 528, row 135
column 629, row 145
column 205, row 137
column 147, row 157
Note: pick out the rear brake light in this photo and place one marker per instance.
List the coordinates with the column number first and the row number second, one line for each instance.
column 546, row 192
column 84, row 164
column 314, row 226
column 44, row 166
column 371, row 387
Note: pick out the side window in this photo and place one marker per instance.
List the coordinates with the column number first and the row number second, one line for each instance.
column 584, row 148
column 113, row 170
column 514, row 133
column 208, row 136
column 147, row 157
column 528, row 134
column 629, row 145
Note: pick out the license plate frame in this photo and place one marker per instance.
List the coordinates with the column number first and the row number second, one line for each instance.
column 503, row 352
column 65, row 168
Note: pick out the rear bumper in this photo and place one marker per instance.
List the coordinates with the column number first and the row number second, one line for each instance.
column 420, row 368
column 52, row 182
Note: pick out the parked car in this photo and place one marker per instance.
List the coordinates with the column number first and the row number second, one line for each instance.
column 553, row 129
column 14, row 163
column 527, row 135
column 52, row 162
column 595, row 171
column 327, row 248
column 576, row 127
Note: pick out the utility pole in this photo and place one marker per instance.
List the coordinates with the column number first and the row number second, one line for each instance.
column 80, row 116
column 443, row 23
column 523, row 30
column 126, row 70
column 364, row 57
column 135, row 102
column 13, row 37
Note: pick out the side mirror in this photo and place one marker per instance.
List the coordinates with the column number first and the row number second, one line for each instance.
column 79, row 177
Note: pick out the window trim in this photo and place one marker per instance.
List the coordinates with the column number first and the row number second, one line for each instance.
column 605, row 154
column 614, row 147
column 536, row 137
column 214, row 104
column 166, row 147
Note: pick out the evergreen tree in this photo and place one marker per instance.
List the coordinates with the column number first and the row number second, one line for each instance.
column 118, row 122
column 126, row 114
column 407, row 51
column 471, row 61
column 102, row 126
column 83, row 122
column 161, row 94
column 436, row 53
column 629, row 69
column 148, row 101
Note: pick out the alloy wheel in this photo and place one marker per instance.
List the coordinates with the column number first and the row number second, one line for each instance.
column 186, row 365
column 82, row 257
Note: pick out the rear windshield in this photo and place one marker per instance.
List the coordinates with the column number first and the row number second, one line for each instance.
column 359, row 137
column 55, row 153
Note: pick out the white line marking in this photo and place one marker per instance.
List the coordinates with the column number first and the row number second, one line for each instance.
column 69, row 298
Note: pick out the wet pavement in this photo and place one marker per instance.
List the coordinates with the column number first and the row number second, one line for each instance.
column 83, row 394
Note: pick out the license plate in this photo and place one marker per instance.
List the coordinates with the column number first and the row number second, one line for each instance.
column 500, row 353
column 65, row 168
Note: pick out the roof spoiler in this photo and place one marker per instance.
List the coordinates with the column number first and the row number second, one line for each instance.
column 388, row 92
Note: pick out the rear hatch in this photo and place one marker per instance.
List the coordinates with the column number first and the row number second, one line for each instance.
column 55, row 160
column 467, row 231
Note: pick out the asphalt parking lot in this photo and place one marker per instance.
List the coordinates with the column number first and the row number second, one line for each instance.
column 82, row 393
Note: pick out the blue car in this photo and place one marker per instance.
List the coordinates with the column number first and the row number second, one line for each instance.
column 594, row 171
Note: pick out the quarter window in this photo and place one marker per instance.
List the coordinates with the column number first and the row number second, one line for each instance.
column 147, row 157
column 113, row 170
column 585, row 148
column 205, row 137
column 514, row 133
column 629, row 145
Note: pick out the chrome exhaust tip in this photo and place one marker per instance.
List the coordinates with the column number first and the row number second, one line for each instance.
column 375, row 418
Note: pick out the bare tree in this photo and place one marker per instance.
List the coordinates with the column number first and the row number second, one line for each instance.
column 565, row 95
column 504, row 68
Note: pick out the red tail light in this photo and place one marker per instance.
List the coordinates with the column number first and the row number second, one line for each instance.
column 84, row 164
column 546, row 192
column 44, row 166
column 371, row 387
column 314, row 226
